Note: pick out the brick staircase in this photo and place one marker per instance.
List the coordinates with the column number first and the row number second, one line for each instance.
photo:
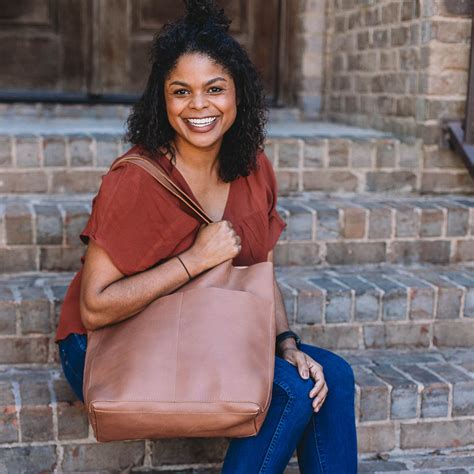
column 370, row 266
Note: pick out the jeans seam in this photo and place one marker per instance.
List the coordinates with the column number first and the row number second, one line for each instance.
column 287, row 408
column 322, row 464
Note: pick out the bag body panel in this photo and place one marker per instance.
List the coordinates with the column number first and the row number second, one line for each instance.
column 208, row 344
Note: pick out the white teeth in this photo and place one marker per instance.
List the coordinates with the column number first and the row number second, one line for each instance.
column 201, row 122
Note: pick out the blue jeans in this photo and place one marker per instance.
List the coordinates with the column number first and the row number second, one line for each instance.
column 325, row 442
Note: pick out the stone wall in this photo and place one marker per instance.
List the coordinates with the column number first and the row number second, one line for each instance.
column 401, row 66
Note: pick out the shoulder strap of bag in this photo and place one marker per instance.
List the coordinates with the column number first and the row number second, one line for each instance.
column 151, row 167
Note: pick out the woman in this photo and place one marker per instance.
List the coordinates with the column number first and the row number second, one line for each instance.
column 201, row 118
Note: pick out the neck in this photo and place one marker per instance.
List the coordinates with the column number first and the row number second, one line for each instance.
column 199, row 161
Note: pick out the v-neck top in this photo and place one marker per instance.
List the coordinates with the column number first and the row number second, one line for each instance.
column 180, row 180
column 140, row 224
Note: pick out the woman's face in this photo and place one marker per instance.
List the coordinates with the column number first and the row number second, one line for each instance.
column 200, row 101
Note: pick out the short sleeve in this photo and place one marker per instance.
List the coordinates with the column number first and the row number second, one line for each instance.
column 131, row 221
column 276, row 224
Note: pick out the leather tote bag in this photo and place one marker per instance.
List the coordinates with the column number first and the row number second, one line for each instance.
column 198, row 362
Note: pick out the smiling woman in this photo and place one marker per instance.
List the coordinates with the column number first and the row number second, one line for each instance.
column 200, row 110
column 201, row 120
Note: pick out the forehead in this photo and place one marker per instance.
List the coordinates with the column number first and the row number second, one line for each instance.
column 197, row 66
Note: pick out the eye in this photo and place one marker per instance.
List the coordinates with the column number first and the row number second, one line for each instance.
column 178, row 92
column 219, row 89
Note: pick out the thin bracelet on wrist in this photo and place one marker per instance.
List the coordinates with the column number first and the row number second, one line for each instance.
column 184, row 267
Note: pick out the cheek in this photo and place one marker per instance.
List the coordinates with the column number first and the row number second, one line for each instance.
column 172, row 108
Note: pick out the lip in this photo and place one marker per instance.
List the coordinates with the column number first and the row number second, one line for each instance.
column 201, row 129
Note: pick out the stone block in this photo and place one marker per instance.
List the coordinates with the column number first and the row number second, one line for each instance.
column 338, row 152
column 7, row 312
column 112, row 456
column 428, row 251
column 54, row 150
column 75, row 219
column 386, row 154
column 22, row 350
column 437, row 434
column 431, row 221
column 107, row 149
column 374, row 396
column 315, row 152
column 435, row 392
column 346, row 336
column 33, row 181
column 27, row 151
column 18, row 224
column 61, row 258
column 9, row 429
column 362, row 154
column 28, row 459
column 404, row 393
column 330, row 180
column 367, row 297
column 189, row 451
column 407, row 335
column 34, row 311
column 5, row 152
column 17, row 259
column 346, row 253
column 448, row 333
column 338, row 299
column 376, row 438
column 390, row 181
column 80, row 150
column 76, row 181
column 354, row 222
column 49, row 226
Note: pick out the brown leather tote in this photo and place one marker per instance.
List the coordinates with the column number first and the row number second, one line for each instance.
column 198, row 362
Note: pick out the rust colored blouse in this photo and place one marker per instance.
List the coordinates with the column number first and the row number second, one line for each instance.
column 140, row 224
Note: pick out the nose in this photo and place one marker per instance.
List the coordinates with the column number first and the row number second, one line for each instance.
column 198, row 101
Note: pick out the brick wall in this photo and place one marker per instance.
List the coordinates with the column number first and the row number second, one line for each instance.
column 401, row 66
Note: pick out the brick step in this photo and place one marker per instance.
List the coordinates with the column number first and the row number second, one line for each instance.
column 64, row 155
column 41, row 232
column 53, row 110
column 406, row 402
column 360, row 307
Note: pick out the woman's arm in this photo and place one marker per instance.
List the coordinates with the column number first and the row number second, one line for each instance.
column 107, row 296
column 280, row 315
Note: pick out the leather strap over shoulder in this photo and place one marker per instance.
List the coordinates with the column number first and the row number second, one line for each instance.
column 153, row 168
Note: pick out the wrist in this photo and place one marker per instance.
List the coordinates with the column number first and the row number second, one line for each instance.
column 289, row 343
column 192, row 262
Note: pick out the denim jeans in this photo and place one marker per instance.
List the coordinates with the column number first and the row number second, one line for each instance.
column 325, row 442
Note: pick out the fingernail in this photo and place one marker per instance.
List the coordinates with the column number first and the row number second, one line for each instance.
column 305, row 374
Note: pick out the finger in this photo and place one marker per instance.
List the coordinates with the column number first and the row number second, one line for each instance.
column 318, row 401
column 302, row 365
column 318, row 386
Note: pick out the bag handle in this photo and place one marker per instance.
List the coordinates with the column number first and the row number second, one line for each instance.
column 151, row 167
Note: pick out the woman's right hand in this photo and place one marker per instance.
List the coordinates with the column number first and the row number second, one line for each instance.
column 216, row 242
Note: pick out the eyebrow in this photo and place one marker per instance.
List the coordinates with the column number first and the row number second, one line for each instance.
column 179, row 83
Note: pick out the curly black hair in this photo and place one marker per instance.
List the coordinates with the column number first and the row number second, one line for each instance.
column 203, row 29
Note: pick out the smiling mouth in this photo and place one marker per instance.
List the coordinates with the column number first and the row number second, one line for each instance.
column 204, row 122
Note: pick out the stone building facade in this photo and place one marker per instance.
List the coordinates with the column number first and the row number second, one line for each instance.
column 399, row 66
